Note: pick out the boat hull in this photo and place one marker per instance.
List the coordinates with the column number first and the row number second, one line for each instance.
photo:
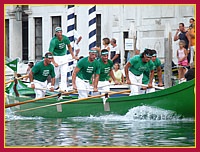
column 179, row 98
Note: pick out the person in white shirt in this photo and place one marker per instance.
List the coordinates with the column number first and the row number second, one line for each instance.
column 114, row 52
column 77, row 39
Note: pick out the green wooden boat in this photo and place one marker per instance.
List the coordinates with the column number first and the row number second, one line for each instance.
column 179, row 98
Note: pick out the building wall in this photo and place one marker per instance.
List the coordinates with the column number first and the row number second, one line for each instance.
column 148, row 20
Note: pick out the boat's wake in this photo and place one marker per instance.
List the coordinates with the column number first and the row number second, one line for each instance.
column 151, row 113
column 139, row 113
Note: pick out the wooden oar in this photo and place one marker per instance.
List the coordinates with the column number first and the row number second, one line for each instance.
column 61, row 91
column 75, row 100
column 17, row 79
column 34, row 100
column 144, row 85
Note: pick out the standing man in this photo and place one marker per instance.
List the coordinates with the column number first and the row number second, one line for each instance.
column 58, row 48
column 39, row 73
column 114, row 52
column 191, row 32
column 77, row 39
column 105, row 71
column 83, row 72
column 135, row 68
column 182, row 34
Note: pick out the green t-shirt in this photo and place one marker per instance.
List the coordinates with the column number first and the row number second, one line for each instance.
column 41, row 72
column 57, row 47
column 105, row 70
column 87, row 69
column 145, row 79
column 138, row 66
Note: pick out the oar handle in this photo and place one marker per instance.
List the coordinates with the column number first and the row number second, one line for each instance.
column 17, row 79
column 28, row 101
column 49, row 90
column 68, row 61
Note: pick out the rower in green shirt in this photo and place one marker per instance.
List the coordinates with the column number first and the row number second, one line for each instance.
column 83, row 72
column 135, row 68
column 39, row 73
column 105, row 71
column 157, row 66
column 146, row 75
column 58, row 48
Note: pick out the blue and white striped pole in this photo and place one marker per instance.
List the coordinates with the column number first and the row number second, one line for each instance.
column 70, row 32
column 92, row 26
column 70, row 24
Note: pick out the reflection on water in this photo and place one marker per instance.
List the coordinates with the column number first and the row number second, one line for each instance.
column 141, row 126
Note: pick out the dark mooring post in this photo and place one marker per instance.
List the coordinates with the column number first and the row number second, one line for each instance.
column 168, row 57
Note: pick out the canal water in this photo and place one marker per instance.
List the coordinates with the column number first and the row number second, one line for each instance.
column 141, row 127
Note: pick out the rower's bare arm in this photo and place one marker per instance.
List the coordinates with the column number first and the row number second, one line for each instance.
column 96, row 79
column 76, row 70
column 31, row 79
column 52, row 84
column 128, row 64
column 151, row 79
column 71, row 52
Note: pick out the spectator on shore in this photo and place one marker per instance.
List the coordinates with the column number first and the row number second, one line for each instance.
column 191, row 32
column 182, row 34
column 114, row 52
column 105, row 42
column 182, row 59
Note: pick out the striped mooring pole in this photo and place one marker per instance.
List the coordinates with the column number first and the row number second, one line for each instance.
column 70, row 32
column 92, row 26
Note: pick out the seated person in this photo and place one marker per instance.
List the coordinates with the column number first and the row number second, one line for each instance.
column 190, row 74
column 118, row 74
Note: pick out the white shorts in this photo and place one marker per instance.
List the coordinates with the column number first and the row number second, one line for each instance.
column 135, row 90
column 61, row 71
column 83, row 87
column 40, row 85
